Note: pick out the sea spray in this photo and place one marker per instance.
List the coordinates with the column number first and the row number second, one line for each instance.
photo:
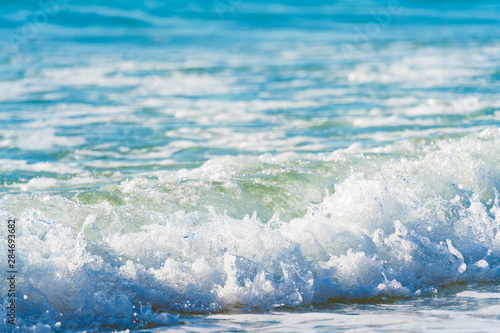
column 402, row 229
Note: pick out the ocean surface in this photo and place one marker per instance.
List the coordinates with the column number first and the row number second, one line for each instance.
column 247, row 165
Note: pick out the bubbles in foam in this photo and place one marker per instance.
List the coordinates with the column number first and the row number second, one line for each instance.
column 130, row 257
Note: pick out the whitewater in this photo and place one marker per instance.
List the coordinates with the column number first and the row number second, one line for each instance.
column 252, row 166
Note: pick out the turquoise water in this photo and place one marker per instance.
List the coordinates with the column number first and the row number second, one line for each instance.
column 250, row 165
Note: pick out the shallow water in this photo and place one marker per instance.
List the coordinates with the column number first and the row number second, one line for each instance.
column 458, row 308
column 169, row 163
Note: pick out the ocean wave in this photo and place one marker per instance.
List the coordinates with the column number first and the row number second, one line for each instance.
column 128, row 256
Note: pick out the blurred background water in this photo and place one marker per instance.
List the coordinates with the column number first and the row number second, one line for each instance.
column 170, row 158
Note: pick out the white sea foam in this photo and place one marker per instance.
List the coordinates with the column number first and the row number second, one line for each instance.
column 41, row 139
column 20, row 165
column 402, row 229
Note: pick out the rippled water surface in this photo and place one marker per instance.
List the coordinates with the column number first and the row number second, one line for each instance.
column 251, row 165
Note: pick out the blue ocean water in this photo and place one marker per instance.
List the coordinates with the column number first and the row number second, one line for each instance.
column 251, row 165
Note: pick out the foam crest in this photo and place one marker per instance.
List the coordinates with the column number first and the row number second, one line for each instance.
column 402, row 229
